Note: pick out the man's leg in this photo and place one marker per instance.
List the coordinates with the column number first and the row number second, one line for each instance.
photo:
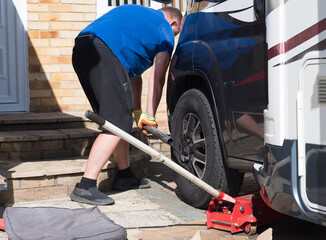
column 121, row 155
column 101, row 151
column 86, row 191
column 125, row 178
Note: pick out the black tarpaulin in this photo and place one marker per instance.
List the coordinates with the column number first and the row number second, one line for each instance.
column 50, row 223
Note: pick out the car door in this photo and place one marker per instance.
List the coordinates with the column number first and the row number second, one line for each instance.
column 235, row 36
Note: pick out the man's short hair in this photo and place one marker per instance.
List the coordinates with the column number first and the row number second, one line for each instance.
column 174, row 12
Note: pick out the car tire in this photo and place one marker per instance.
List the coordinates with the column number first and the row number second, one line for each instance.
column 194, row 134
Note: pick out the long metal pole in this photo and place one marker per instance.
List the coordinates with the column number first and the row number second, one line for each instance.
column 150, row 151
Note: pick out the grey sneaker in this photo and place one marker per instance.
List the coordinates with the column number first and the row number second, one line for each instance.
column 124, row 184
column 90, row 196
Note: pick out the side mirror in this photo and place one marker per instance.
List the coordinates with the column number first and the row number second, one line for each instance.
column 164, row 1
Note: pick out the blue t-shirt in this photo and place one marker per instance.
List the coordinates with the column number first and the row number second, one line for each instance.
column 135, row 34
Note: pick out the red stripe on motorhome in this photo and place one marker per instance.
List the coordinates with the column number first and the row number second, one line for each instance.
column 297, row 39
column 251, row 79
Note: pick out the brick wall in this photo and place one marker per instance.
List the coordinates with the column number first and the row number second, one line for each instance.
column 52, row 27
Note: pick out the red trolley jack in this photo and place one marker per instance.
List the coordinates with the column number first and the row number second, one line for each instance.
column 2, row 225
column 245, row 213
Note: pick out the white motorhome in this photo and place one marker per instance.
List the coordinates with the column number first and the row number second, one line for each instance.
column 295, row 120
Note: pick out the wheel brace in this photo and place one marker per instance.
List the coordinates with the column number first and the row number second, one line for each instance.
column 224, row 212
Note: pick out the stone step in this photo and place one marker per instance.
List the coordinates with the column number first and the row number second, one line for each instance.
column 35, row 145
column 44, row 121
column 42, row 155
column 31, row 145
column 38, row 136
column 38, row 180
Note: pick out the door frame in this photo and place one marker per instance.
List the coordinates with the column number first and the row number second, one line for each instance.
column 21, row 59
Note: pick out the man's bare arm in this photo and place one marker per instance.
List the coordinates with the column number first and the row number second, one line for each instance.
column 156, row 82
column 137, row 85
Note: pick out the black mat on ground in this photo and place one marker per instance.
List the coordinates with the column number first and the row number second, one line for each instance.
column 50, row 223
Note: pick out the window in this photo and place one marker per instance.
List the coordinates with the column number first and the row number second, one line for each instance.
column 114, row 3
column 103, row 6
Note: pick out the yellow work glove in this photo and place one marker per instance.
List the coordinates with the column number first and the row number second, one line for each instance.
column 137, row 114
column 145, row 119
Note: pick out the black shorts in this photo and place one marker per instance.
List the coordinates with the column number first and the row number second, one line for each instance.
column 105, row 81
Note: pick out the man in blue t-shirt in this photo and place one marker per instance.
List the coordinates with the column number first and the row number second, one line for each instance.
column 109, row 57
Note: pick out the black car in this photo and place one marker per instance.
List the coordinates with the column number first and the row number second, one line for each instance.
column 217, row 91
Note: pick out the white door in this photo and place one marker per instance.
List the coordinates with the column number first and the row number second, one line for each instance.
column 13, row 56
column 312, row 131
